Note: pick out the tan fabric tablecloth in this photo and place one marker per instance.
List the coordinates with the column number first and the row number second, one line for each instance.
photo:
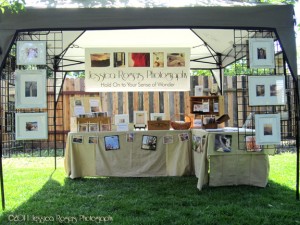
column 237, row 167
column 84, row 159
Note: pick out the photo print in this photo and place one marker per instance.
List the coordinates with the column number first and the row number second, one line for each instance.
column 31, row 53
column 30, row 89
column 83, row 127
column 93, row 140
column 183, row 137
column 100, row 60
column 198, row 143
column 32, row 126
column 139, row 59
column 267, row 129
column 119, row 59
column 176, row 59
column 149, row 142
column 261, row 53
column 168, row 139
column 129, row 137
column 77, row 139
column 112, row 142
column 223, row 143
column 251, row 145
column 158, row 59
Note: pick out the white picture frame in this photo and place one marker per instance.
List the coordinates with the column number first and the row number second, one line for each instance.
column 157, row 116
column 31, row 126
column 83, row 127
column 261, row 53
column 31, row 53
column 31, row 89
column 121, row 119
column 140, row 118
column 266, row 90
column 93, row 127
column 198, row 90
column 267, row 129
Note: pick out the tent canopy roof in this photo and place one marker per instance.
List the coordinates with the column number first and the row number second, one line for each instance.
column 208, row 31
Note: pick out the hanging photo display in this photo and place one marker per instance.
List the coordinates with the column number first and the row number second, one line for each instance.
column 137, row 69
column 31, row 53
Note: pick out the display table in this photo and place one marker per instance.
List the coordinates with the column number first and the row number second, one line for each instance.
column 237, row 167
column 130, row 160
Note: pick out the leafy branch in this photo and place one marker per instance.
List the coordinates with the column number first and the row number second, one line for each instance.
column 14, row 6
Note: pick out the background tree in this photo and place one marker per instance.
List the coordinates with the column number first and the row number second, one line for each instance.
column 14, row 6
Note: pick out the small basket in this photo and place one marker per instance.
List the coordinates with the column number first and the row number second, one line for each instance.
column 181, row 125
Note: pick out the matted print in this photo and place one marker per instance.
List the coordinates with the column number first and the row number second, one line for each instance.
column 31, row 53
column 223, row 143
column 267, row 129
column 261, row 53
column 31, row 89
column 31, row 126
column 77, row 139
column 266, row 90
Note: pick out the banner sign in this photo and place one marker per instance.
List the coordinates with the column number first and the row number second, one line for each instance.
column 137, row 69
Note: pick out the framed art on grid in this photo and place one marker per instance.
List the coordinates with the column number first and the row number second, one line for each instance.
column 31, row 126
column 140, row 118
column 31, row 89
column 261, row 53
column 31, row 53
column 267, row 129
column 266, row 90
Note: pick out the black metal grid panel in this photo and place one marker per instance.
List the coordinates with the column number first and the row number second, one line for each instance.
column 246, row 114
column 54, row 145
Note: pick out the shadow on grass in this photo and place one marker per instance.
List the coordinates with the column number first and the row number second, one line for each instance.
column 157, row 200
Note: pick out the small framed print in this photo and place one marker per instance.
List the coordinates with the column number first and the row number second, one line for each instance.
column 31, row 53
column 31, row 126
column 168, row 139
column 205, row 107
column 83, row 127
column 112, row 142
column 93, row 127
column 121, row 119
column 198, row 90
column 130, row 137
column 223, row 143
column 261, row 53
column 77, row 139
column 140, row 118
column 149, row 142
column 266, row 90
column 31, row 89
column 157, row 116
column 198, row 108
column 93, row 140
column 105, row 127
column 267, row 129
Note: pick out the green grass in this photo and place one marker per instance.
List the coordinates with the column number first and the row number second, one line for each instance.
column 34, row 189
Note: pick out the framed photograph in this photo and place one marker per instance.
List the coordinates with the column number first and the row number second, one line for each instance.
column 121, row 119
column 93, row 127
column 261, row 53
column 149, row 142
column 105, row 127
column 83, row 127
column 31, row 89
column 31, row 53
column 183, row 137
column 266, row 90
column 112, row 142
column 205, row 107
column 140, row 118
column 199, row 90
column 93, row 140
column 77, row 139
column 198, row 143
column 31, row 126
column 168, row 139
column 78, row 102
column 267, row 129
column 198, row 108
column 157, row 116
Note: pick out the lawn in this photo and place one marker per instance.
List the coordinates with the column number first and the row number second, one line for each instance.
column 38, row 194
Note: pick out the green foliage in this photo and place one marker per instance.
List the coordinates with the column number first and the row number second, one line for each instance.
column 201, row 73
column 14, row 6
column 78, row 74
